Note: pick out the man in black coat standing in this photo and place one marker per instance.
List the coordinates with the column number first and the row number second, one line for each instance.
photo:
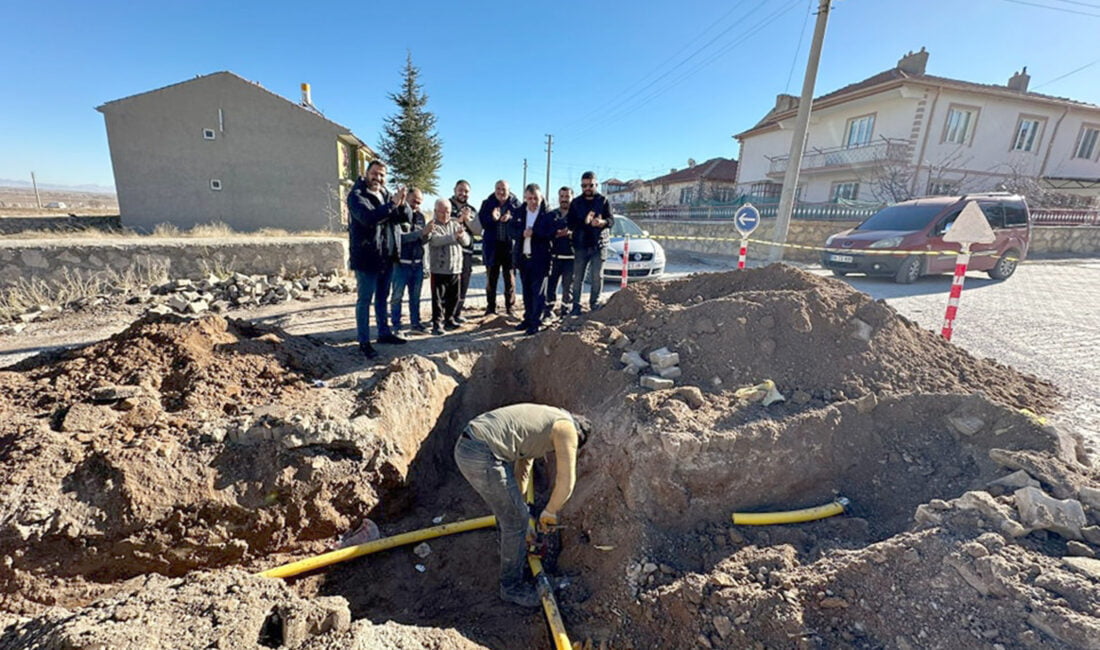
column 496, row 245
column 532, row 232
column 374, row 249
column 590, row 220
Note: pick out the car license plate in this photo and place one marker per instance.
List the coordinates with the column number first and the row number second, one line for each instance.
column 846, row 259
column 635, row 265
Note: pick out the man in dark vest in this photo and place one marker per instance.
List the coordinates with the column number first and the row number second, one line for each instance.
column 495, row 453
column 374, row 250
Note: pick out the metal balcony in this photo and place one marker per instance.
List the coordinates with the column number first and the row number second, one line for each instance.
column 846, row 157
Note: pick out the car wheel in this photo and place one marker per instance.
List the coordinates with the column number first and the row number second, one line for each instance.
column 1006, row 265
column 839, row 274
column 909, row 270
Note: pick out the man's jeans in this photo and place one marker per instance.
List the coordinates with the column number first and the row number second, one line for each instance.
column 411, row 276
column 495, row 481
column 590, row 260
column 376, row 286
column 561, row 270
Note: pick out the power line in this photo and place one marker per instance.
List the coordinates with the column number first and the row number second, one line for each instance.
column 1053, row 8
column 1079, row 3
column 801, row 35
column 1071, row 72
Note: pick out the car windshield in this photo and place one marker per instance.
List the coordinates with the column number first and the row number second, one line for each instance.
column 621, row 227
column 902, row 217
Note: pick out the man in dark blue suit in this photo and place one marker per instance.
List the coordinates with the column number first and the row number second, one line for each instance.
column 533, row 233
column 496, row 245
column 373, row 214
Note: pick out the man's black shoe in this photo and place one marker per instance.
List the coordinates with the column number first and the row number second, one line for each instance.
column 420, row 327
column 368, row 351
column 460, row 319
column 491, row 311
column 437, row 330
column 521, row 326
column 530, row 331
column 450, row 325
column 392, row 339
column 576, row 311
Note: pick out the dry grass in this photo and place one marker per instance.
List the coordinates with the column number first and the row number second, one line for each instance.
column 35, row 293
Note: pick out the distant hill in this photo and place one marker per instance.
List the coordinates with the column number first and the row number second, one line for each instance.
column 89, row 188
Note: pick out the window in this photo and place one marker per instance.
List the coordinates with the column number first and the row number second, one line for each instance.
column 766, row 191
column 1027, row 134
column 942, row 188
column 960, row 124
column 1086, row 143
column 1014, row 213
column 848, row 191
column 687, row 195
column 208, row 134
column 859, row 131
column 215, row 184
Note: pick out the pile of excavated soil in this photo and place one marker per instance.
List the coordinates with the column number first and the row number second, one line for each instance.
column 933, row 551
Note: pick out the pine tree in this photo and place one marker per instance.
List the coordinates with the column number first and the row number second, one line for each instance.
column 409, row 143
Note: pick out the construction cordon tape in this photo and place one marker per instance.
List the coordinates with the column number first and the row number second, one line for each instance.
column 823, row 249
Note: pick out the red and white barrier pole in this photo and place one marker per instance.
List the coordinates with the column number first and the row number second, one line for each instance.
column 743, row 254
column 626, row 257
column 961, row 263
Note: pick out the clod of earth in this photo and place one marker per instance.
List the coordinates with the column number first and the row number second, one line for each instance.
column 133, row 517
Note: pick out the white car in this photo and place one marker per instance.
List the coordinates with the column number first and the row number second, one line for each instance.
column 646, row 257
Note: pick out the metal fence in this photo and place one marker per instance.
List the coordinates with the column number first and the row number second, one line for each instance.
column 834, row 212
column 1065, row 217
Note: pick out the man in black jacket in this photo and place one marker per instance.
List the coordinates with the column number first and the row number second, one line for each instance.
column 561, row 256
column 373, row 213
column 590, row 220
column 532, row 231
column 467, row 216
column 494, row 215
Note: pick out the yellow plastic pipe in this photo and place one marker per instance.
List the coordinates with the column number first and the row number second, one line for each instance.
column 345, row 554
column 791, row 516
column 546, row 592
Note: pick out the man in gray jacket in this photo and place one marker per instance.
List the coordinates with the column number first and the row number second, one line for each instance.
column 445, row 237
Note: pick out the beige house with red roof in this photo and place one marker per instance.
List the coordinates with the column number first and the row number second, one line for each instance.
column 904, row 133
column 710, row 182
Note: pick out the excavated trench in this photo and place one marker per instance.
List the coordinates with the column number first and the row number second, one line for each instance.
column 245, row 464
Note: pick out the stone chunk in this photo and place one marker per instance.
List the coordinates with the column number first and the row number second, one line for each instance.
column 87, row 418
column 861, row 330
column 178, row 303
column 1084, row 565
column 1090, row 497
column 691, row 395
column 966, row 425
column 662, row 358
column 1015, row 481
column 672, row 372
column 656, row 383
column 722, row 625
column 197, row 307
column 1039, row 511
column 115, row 393
column 633, row 358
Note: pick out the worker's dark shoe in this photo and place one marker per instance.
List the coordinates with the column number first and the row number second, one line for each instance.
column 368, row 351
column 392, row 339
column 525, row 595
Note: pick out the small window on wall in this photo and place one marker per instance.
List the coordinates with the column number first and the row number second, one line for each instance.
column 1086, row 144
column 847, row 191
column 1027, row 134
column 859, row 131
column 942, row 188
column 215, row 184
column 208, row 134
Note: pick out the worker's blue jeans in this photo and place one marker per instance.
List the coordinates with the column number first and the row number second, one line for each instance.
column 495, row 481
column 372, row 288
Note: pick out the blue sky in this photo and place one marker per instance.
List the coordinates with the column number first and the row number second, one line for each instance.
column 628, row 89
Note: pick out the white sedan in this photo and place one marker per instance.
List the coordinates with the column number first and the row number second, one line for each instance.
column 646, row 257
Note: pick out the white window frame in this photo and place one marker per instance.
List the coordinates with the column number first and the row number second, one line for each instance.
column 951, row 135
column 216, row 184
column 851, row 195
column 940, row 187
column 855, row 127
column 1090, row 136
column 209, row 134
column 1028, row 141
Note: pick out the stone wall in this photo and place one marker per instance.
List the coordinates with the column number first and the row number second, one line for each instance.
column 13, row 225
column 709, row 238
column 52, row 259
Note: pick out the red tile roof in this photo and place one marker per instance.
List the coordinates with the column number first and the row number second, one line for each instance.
column 715, row 169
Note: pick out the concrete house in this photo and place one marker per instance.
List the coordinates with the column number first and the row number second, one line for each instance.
column 222, row 148
column 904, row 133
column 709, row 182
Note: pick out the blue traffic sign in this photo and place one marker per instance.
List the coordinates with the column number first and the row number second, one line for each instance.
column 746, row 219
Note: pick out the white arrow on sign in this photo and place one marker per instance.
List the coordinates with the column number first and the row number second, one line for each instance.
column 971, row 227
column 747, row 218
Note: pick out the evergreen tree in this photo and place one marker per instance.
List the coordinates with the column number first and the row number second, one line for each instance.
column 409, row 144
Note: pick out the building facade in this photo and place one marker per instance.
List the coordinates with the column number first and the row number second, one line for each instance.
column 903, row 133
column 222, row 148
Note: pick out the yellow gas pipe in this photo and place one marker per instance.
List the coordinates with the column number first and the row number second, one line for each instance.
column 791, row 516
column 546, row 591
column 344, row 554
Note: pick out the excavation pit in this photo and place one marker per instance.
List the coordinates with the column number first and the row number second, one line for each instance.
column 910, row 428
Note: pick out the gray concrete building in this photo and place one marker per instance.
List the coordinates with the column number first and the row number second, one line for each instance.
column 222, row 148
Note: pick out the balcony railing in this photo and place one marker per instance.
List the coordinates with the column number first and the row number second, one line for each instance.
column 842, row 157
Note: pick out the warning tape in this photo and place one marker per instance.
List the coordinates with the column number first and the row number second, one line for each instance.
column 823, row 249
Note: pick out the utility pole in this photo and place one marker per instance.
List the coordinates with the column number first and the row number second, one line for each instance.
column 37, row 199
column 549, row 148
column 798, row 143
column 525, row 173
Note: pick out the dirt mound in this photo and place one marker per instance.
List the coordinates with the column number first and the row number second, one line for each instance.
column 937, row 549
column 817, row 338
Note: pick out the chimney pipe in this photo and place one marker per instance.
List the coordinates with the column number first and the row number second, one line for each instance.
column 307, row 100
column 914, row 63
column 1019, row 81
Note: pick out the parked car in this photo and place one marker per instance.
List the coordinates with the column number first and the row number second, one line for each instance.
column 647, row 257
column 918, row 227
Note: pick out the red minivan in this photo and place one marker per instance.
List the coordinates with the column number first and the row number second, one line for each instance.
column 914, row 230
